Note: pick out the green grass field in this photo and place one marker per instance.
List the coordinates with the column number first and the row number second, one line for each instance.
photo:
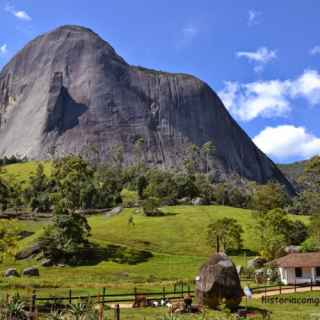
column 177, row 241
column 22, row 171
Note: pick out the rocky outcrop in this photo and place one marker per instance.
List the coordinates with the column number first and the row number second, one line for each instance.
column 218, row 282
column 11, row 272
column 31, row 272
column 68, row 90
column 29, row 251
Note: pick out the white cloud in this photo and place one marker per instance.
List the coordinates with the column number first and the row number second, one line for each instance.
column 190, row 31
column 270, row 98
column 260, row 57
column 315, row 50
column 187, row 35
column 307, row 86
column 253, row 17
column 20, row 14
column 249, row 101
column 3, row 49
column 287, row 141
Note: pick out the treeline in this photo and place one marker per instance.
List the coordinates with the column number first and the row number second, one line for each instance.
column 76, row 184
column 99, row 186
column 11, row 160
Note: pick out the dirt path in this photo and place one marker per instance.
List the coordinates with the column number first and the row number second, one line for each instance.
column 285, row 291
column 254, row 296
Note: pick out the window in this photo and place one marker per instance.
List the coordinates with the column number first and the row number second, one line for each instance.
column 298, row 272
column 317, row 271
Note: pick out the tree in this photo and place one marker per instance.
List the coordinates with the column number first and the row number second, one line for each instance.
column 269, row 232
column 274, row 230
column 4, row 194
column 66, row 239
column 192, row 159
column 138, row 150
column 269, row 196
column 142, row 183
column 297, row 232
column 150, row 207
column 37, row 192
column 185, row 186
column 73, row 179
column 225, row 233
column 15, row 194
column 314, row 229
column 106, row 187
column 117, row 155
column 308, row 200
column 204, row 188
column 208, row 149
column 8, row 239
column 161, row 185
column 310, row 179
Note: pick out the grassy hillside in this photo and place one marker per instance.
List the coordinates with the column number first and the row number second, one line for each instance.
column 22, row 171
column 177, row 241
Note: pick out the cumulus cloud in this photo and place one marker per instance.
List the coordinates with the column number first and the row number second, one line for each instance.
column 3, row 49
column 315, row 50
column 254, row 17
column 270, row 98
column 20, row 14
column 249, row 101
column 287, row 141
column 260, row 57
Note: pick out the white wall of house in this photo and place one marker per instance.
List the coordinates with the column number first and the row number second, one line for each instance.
column 288, row 276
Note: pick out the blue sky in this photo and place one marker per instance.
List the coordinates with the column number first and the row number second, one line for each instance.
column 261, row 57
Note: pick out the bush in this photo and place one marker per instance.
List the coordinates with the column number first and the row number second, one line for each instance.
column 309, row 245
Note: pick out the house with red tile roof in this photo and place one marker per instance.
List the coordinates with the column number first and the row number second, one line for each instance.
column 297, row 268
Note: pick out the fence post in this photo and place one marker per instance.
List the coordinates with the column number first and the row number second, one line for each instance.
column 295, row 285
column 70, row 296
column 135, row 293
column 311, row 285
column 265, row 290
column 280, row 288
column 117, row 312
column 164, row 293
column 33, row 304
column 103, row 296
column 174, row 288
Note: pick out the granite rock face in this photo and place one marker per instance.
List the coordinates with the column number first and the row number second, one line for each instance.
column 68, row 89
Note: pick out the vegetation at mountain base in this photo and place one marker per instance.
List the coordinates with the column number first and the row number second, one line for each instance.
column 69, row 186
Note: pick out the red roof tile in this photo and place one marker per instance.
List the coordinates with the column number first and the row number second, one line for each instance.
column 309, row 259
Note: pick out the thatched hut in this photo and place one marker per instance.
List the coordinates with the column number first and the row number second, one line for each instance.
column 218, row 282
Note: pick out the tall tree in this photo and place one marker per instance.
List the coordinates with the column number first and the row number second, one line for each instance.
column 4, row 194
column 225, row 234
column 138, row 151
column 208, row 149
column 37, row 193
column 192, row 159
column 274, row 230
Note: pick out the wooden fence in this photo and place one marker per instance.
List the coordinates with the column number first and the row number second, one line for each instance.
column 46, row 304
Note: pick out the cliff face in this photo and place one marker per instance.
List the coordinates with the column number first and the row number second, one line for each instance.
column 69, row 89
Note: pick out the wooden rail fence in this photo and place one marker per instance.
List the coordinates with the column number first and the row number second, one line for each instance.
column 46, row 304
